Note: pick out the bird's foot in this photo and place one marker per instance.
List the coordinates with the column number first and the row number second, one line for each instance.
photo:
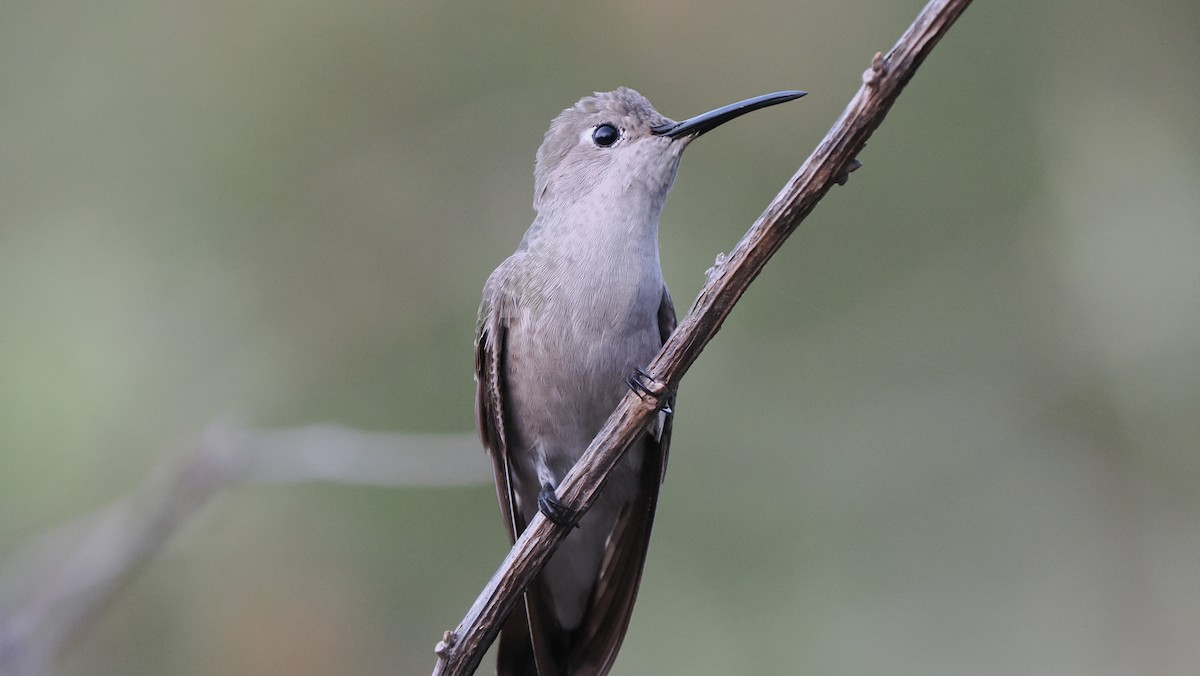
column 649, row 389
column 558, row 513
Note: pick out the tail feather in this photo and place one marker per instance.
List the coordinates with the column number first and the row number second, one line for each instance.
column 533, row 643
column 514, row 655
column 521, row 654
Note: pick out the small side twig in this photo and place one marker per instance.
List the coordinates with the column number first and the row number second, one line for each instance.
column 830, row 163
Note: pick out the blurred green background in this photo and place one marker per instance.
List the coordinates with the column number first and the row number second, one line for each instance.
column 952, row 429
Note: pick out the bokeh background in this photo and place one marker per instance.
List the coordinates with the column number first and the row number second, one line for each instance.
column 952, row 429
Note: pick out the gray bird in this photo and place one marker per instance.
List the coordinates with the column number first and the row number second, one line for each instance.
column 564, row 324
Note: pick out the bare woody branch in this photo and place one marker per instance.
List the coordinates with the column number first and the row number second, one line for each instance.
column 461, row 650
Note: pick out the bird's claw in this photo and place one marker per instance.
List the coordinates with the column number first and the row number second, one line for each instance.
column 648, row 388
column 558, row 513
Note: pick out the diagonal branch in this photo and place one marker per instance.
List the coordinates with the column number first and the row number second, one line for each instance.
column 461, row 650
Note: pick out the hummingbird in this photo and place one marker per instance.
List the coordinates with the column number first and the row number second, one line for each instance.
column 565, row 325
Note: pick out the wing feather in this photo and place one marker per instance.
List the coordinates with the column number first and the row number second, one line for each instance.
column 515, row 655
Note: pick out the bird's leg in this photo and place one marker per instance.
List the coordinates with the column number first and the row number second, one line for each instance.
column 648, row 388
column 558, row 513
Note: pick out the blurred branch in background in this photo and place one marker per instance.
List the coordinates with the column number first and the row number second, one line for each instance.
column 82, row 564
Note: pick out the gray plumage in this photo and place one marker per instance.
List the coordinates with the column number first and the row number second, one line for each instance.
column 564, row 321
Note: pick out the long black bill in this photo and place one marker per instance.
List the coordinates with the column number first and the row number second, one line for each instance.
column 715, row 118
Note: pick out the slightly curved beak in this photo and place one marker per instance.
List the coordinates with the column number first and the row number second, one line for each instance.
column 700, row 124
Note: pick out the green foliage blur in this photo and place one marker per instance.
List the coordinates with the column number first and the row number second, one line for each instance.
column 952, row 429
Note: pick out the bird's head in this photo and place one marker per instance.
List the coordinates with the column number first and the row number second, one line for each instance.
column 614, row 147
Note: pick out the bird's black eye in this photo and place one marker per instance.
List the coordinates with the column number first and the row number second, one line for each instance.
column 605, row 135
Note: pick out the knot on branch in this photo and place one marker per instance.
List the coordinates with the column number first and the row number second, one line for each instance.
column 716, row 267
column 876, row 72
column 444, row 646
